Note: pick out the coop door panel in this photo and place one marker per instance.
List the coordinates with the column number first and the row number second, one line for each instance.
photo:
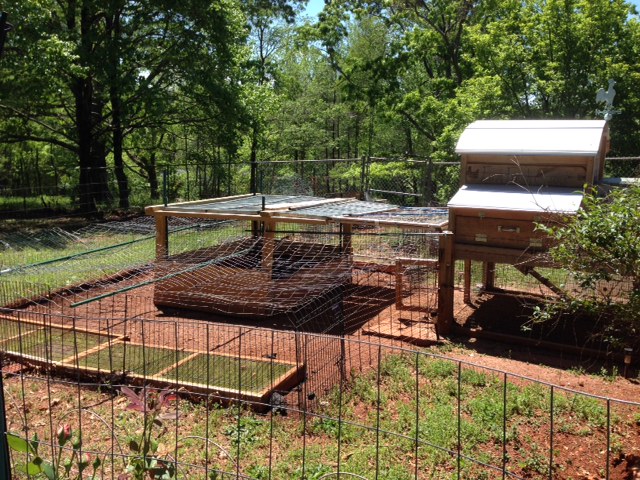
column 499, row 232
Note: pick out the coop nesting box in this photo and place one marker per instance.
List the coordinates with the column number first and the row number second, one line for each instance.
column 516, row 174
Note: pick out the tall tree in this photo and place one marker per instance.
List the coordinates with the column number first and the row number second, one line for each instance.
column 87, row 73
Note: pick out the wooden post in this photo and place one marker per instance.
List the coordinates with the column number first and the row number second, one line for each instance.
column 162, row 237
column 269, row 244
column 445, row 283
column 399, row 284
column 346, row 246
column 489, row 276
column 467, row 281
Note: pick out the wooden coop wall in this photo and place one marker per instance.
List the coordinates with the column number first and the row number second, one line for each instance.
column 529, row 170
column 506, row 229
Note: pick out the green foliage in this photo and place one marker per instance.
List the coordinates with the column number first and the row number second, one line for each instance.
column 74, row 466
column 244, row 431
column 600, row 247
column 145, row 459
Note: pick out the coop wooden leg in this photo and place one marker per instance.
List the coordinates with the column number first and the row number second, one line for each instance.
column 467, row 281
column 489, row 274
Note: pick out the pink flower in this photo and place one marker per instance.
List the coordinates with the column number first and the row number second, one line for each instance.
column 63, row 434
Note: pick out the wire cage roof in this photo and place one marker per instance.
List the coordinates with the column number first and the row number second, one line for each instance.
column 301, row 207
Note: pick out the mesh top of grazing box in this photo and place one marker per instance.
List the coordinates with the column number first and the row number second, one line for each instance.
column 302, row 206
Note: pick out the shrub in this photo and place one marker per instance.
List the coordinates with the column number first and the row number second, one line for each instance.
column 600, row 247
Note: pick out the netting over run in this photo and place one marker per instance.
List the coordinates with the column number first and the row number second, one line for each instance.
column 252, row 276
column 39, row 263
column 298, row 261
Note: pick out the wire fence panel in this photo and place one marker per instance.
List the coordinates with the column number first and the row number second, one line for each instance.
column 407, row 181
column 362, row 410
column 402, row 181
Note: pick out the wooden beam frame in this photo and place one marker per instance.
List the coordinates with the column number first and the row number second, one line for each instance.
column 446, row 269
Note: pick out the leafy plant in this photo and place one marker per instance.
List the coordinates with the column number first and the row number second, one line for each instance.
column 145, row 461
column 246, row 431
column 600, row 247
column 73, row 467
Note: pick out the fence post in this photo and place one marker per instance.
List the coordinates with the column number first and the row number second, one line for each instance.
column 428, row 182
column 165, row 185
column 445, row 283
column 5, row 467
column 363, row 173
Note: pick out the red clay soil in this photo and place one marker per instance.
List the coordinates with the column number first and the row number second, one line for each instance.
column 371, row 306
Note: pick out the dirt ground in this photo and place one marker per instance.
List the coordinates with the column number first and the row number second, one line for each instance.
column 371, row 315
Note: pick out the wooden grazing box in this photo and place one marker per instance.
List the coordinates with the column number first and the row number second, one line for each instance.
column 89, row 352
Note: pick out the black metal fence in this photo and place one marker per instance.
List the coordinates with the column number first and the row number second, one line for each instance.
column 27, row 194
column 338, row 407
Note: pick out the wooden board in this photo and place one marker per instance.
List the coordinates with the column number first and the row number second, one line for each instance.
column 415, row 332
column 513, row 198
column 527, row 170
column 520, row 234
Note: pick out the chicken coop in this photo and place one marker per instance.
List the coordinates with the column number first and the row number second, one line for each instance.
column 516, row 174
column 290, row 260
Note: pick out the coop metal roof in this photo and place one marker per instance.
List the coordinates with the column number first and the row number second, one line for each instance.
column 532, row 137
column 516, row 198
column 298, row 207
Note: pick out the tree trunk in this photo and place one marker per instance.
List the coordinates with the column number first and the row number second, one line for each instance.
column 113, row 25
column 152, row 174
column 93, row 186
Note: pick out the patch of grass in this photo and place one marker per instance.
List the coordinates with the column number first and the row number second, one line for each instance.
column 124, row 357
column 363, row 389
column 437, row 368
column 535, row 462
column 52, row 344
column 487, row 411
column 588, row 409
column 10, row 329
column 526, row 401
column 395, row 367
column 229, row 372
column 245, row 431
column 474, row 378
column 40, row 202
